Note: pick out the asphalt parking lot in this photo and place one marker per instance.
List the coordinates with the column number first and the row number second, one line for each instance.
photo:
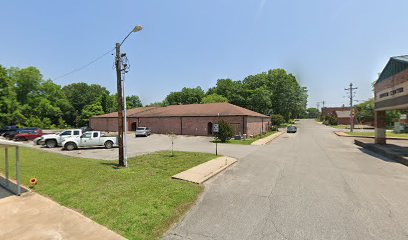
column 157, row 142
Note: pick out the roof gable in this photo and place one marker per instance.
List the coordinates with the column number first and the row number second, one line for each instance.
column 394, row 66
column 129, row 112
column 196, row 110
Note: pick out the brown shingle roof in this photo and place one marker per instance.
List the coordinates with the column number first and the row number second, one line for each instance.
column 129, row 112
column 198, row 110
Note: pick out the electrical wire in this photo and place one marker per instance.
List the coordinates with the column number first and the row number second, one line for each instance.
column 84, row 66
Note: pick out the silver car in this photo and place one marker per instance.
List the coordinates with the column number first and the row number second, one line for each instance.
column 143, row 131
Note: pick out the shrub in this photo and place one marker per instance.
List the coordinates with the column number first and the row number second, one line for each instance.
column 277, row 120
column 330, row 120
column 225, row 131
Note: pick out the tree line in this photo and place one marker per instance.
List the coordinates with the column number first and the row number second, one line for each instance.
column 26, row 99
column 272, row 92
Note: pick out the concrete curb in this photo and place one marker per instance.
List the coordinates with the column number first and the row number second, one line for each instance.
column 267, row 139
column 342, row 134
column 377, row 149
column 201, row 173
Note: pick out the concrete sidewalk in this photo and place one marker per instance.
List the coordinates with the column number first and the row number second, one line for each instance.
column 397, row 151
column 205, row 171
column 267, row 139
column 33, row 216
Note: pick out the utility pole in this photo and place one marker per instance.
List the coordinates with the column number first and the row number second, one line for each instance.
column 323, row 103
column 119, row 70
column 118, row 66
column 351, row 105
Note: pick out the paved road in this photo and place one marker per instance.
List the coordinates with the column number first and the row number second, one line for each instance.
column 310, row 185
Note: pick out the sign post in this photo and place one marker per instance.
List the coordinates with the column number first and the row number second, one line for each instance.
column 215, row 129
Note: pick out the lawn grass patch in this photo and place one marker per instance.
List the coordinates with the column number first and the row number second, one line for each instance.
column 139, row 202
column 249, row 141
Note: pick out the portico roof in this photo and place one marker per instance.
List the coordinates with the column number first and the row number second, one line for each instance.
column 395, row 65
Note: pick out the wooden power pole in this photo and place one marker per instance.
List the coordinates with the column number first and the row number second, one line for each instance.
column 351, row 105
column 118, row 66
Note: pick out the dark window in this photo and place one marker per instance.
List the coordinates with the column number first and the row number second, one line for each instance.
column 76, row 132
column 399, row 90
column 95, row 134
column 66, row 133
column 383, row 95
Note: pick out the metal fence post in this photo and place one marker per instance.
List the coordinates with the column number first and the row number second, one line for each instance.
column 18, row 170
column 6, row 161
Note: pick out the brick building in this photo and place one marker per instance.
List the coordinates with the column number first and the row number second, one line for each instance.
column 390, row 93
column 341, row 113
column 192, row 119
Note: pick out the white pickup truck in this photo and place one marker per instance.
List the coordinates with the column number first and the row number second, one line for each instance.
column 89, row 139
column 54, row 140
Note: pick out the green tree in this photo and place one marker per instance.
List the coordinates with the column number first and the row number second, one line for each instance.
column 27, row 83
column 225, row 131
column 83, row 94
column 213, row 98
column 277, row 119
column 90, row 111
column 133, row 102
column 158, row 104
column 186, row 96
column 8, row 98
column 312, row 113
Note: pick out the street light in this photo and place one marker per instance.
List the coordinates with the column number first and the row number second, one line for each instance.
column 121, row 119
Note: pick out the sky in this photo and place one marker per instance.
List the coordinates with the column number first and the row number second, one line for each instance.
column 326, row 44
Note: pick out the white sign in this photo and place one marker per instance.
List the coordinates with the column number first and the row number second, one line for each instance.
column 403, row 116
column 215, row 128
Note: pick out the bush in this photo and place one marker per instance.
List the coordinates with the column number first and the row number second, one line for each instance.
column 225, row 131
column 277, row 120
column 330, row 120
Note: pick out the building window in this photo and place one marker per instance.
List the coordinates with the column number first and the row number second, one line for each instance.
column 383, row 95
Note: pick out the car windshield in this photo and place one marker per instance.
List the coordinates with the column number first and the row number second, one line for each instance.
column 140, row 129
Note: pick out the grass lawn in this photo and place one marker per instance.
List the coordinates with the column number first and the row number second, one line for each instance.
column 139, row 202
column 339, row 126
column 371, row 134
column 248, row 141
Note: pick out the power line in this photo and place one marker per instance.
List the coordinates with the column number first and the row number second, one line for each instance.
column 84, row 66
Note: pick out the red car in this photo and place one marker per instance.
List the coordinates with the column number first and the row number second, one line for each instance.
column 29, row 135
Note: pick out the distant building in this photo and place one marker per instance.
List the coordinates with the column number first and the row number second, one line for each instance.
column 192, row 119
column 391, row 93
column 341, row 113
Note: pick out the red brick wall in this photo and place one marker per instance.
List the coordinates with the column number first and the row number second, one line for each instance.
column 391, row 81
column 255, row 125
column 165, row 125
column 332, row 110
column 343, row 121
column 104, row 124
column 197, row 126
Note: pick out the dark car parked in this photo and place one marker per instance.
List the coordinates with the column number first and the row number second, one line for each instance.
column 7, row 128
column 12, row 133
column 291, row 129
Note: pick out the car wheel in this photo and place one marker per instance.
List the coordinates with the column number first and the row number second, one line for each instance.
column 51, row 143
column 108, row 144
column 70, row 146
